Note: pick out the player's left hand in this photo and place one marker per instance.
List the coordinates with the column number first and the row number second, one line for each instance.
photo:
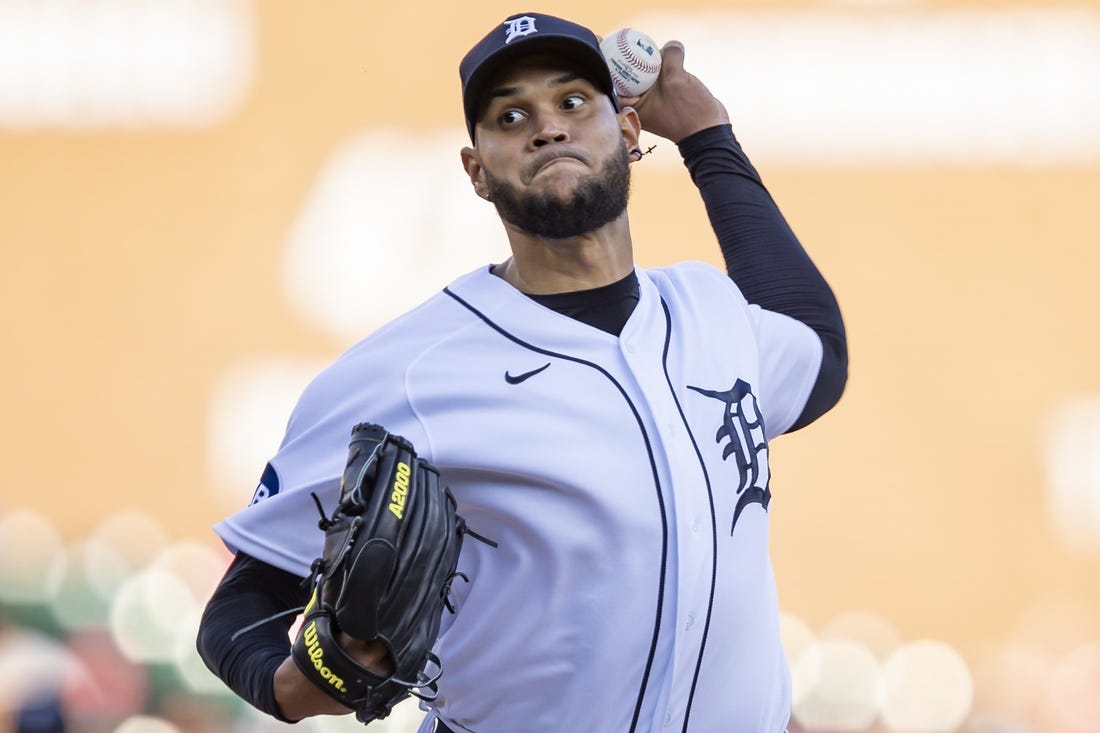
column 380, row 586
column 679, row 104
column 299, row 696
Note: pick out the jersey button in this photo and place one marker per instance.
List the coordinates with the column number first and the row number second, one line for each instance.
column 690, row 622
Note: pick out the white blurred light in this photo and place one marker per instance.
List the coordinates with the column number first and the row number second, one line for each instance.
column 796, row 634
column 79, row 64
column 150, row 610
column 79, row 602
column 104, row 566
column 869, row 629
column 196, row 564
column 797, row 638
column 1009, row 680
column 927, row 688
column 145, row 724
column 996, row 723
column 841, row 686
column 834, row 86
column 124, row 542
column 1057, row 622
column 1071, row 447
column 32, row 663
column 391, row 220
column 1073, row 690
column 32, row 557
column 246, row 420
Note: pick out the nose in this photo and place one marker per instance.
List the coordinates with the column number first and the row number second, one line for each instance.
column 550, row 129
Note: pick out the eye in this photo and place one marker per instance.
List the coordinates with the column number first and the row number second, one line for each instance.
column 573, row 101
column 511, row 117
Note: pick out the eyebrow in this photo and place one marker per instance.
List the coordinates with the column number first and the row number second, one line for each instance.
column 498, row 92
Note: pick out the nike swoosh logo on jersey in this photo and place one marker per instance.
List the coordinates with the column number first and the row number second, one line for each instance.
column 526, row 375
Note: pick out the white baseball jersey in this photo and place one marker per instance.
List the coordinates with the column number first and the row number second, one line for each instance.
column 624, row 480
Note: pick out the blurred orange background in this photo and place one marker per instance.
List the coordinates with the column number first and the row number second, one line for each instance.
column 953, row 494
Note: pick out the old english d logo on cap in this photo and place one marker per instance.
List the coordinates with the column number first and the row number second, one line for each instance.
column 518, row 28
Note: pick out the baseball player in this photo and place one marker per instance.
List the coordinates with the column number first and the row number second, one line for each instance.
column 604, row 426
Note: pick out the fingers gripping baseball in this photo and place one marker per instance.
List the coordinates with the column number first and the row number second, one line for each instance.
column 679, row 104
column 672, row 55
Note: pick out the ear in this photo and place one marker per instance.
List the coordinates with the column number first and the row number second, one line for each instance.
column 631, row 127
column 475, row 171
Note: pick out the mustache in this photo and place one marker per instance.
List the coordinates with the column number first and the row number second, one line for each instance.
column 547, row 156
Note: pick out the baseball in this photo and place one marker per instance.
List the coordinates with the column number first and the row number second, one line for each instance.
column 634, row 60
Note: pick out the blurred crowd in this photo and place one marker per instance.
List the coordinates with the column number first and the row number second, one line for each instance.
column 97, row 636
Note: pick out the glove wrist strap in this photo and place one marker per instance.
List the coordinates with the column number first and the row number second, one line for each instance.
column 325, row 663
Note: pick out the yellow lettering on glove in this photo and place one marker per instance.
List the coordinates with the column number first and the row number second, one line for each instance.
column 400, row 490
column 316, row 655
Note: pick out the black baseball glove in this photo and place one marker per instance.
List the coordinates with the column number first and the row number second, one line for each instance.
column 391, row 548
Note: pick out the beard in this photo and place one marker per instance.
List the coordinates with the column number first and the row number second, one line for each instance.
column 596, row 201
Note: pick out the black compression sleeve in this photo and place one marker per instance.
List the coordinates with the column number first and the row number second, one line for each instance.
column 250, row 590
column 764, row 257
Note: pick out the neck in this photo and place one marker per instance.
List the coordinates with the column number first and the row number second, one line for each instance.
column 542, row 266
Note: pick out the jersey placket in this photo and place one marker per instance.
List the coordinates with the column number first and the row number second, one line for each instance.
column 691, row 541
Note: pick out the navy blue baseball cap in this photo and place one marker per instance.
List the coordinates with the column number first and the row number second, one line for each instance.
column 527, row 33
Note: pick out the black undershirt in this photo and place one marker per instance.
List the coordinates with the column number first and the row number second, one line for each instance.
column 607, row 307
column 765, row 260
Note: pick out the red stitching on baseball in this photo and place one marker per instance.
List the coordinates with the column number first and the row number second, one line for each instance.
column 626, row 50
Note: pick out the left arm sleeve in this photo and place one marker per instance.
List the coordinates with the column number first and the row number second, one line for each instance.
column 765, row 259
column 250, row 590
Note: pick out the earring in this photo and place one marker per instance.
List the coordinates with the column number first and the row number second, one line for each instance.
column 637, row 153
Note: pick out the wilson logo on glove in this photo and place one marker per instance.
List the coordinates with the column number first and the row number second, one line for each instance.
column 317, row 655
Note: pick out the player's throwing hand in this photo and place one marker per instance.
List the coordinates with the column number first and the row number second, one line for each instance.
column 679, row 104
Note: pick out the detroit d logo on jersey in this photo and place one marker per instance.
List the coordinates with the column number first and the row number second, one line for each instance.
column 741, row 429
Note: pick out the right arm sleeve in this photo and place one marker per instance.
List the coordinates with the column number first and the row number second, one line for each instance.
column 764, row 257
column 250, row 590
